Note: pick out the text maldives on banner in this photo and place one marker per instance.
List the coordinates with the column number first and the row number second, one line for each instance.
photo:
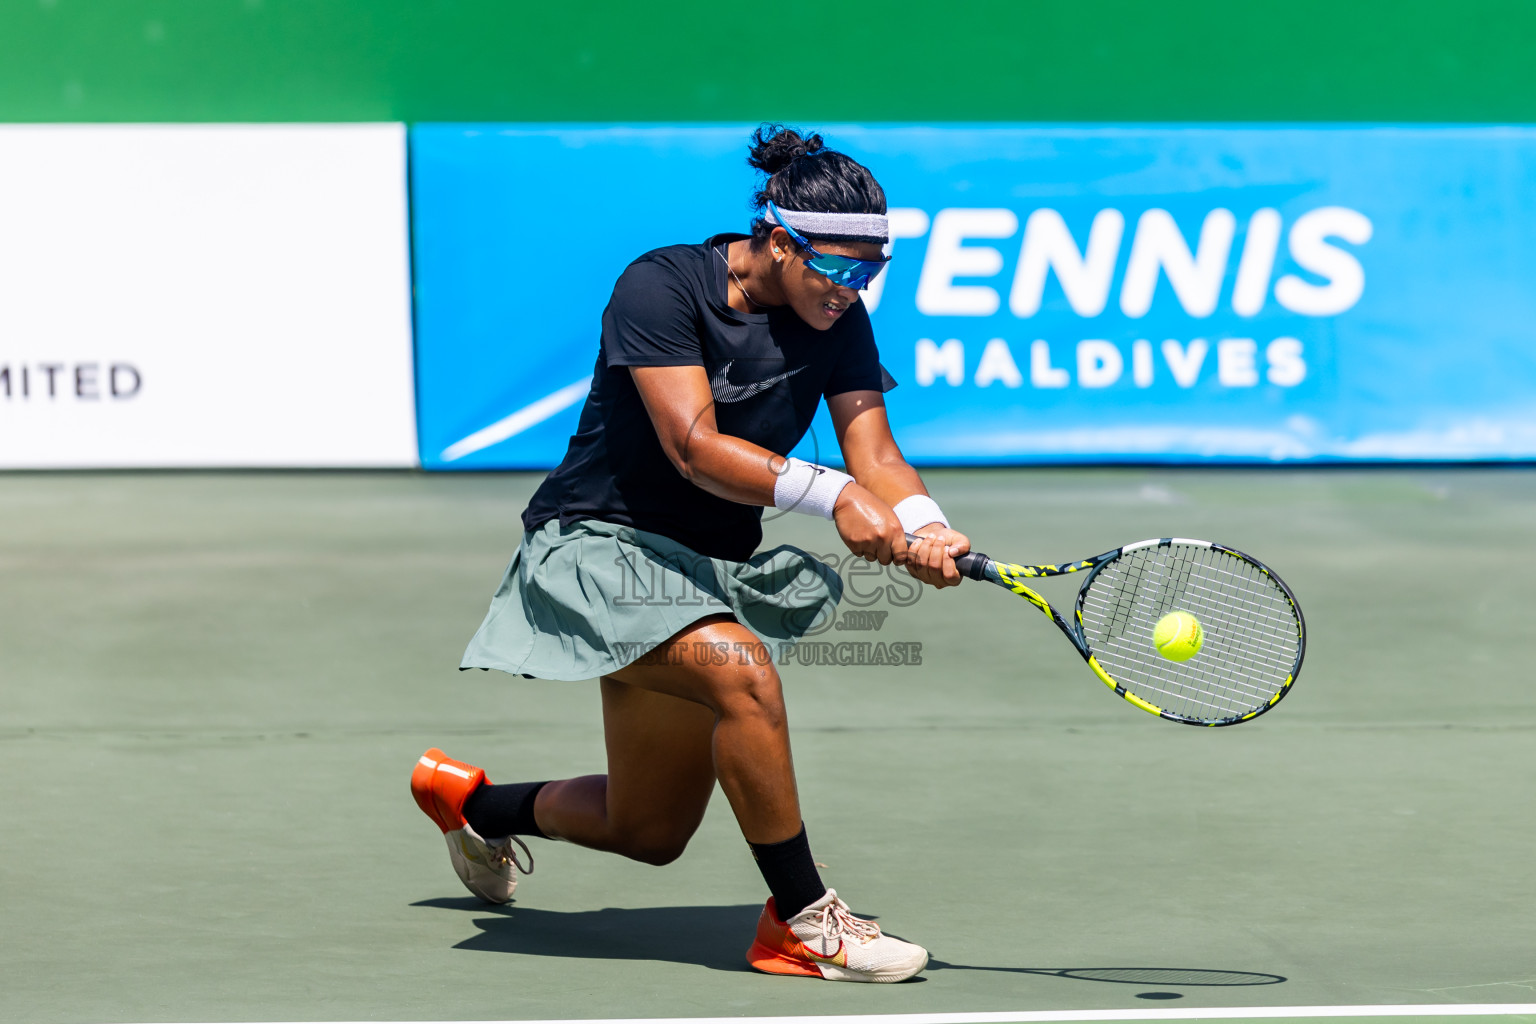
column 1055, row 294
column 204, row 296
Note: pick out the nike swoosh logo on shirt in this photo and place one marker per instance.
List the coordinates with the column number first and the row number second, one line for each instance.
column 724, row 391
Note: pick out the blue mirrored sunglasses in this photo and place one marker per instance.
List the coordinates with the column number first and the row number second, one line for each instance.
column 844, row 271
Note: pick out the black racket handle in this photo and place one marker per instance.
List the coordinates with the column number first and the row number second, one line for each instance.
column 972, row 565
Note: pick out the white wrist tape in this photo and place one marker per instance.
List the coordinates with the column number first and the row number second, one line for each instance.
column 808, row 488
column 918, row 510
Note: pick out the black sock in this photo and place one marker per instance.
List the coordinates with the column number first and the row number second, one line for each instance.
column 496, row 811
column 791, row 874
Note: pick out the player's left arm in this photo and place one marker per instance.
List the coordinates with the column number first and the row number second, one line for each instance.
column 874, row 460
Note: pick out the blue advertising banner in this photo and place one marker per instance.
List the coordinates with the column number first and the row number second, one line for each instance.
column 1061, row 294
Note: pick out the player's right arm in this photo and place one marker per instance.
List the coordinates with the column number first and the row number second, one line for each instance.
column 649, row 328
column 682, row 409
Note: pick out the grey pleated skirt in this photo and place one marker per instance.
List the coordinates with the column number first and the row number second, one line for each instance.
column 586, row 599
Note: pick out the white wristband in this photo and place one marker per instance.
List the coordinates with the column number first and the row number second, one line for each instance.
column 808, row 488
column 918, row 510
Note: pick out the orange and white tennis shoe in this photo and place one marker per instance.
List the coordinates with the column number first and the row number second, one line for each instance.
column 489, row 869
column 825, row 940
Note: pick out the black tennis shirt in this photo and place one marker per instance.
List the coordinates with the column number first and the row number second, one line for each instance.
column 767, row 371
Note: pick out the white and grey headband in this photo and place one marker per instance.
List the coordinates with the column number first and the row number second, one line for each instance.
column 835, row 227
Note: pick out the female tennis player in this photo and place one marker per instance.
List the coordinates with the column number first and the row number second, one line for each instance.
column 713, row 360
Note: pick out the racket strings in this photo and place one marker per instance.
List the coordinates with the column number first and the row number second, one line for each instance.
column 1271, row 626
column 1251, row 632
column 1270, row 633
column 1199, row 689
column 1251, row 681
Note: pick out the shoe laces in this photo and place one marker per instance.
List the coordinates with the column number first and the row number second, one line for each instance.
column 502, row 853
column 837, row 920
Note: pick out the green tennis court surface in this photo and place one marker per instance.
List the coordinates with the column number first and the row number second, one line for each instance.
column 215, row 686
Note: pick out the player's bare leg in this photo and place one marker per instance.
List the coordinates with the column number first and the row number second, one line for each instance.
column 673, row 724
column 660, row 777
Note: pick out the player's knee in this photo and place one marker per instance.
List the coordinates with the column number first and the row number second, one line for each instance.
column 659, row 856
column 752, row 691
column 659, row 848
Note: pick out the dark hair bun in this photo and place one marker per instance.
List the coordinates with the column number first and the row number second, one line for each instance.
column 832, row 182
column 774, row 147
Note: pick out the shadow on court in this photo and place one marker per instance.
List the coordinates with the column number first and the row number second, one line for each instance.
column 717, row 937
column 1176, row 976
column 713, row 937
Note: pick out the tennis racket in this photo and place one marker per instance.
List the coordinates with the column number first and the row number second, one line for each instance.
column 1254, row 634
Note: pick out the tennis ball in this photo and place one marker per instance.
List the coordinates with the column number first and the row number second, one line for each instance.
column 1178, row 636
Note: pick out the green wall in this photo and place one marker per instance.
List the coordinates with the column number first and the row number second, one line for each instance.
column 1117, row 60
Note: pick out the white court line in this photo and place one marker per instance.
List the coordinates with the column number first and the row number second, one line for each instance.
column 1023, row 1017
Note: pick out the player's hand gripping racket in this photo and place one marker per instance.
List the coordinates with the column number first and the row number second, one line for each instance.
column 1245, row 651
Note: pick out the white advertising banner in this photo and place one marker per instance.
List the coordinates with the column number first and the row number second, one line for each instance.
column 205, row 296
